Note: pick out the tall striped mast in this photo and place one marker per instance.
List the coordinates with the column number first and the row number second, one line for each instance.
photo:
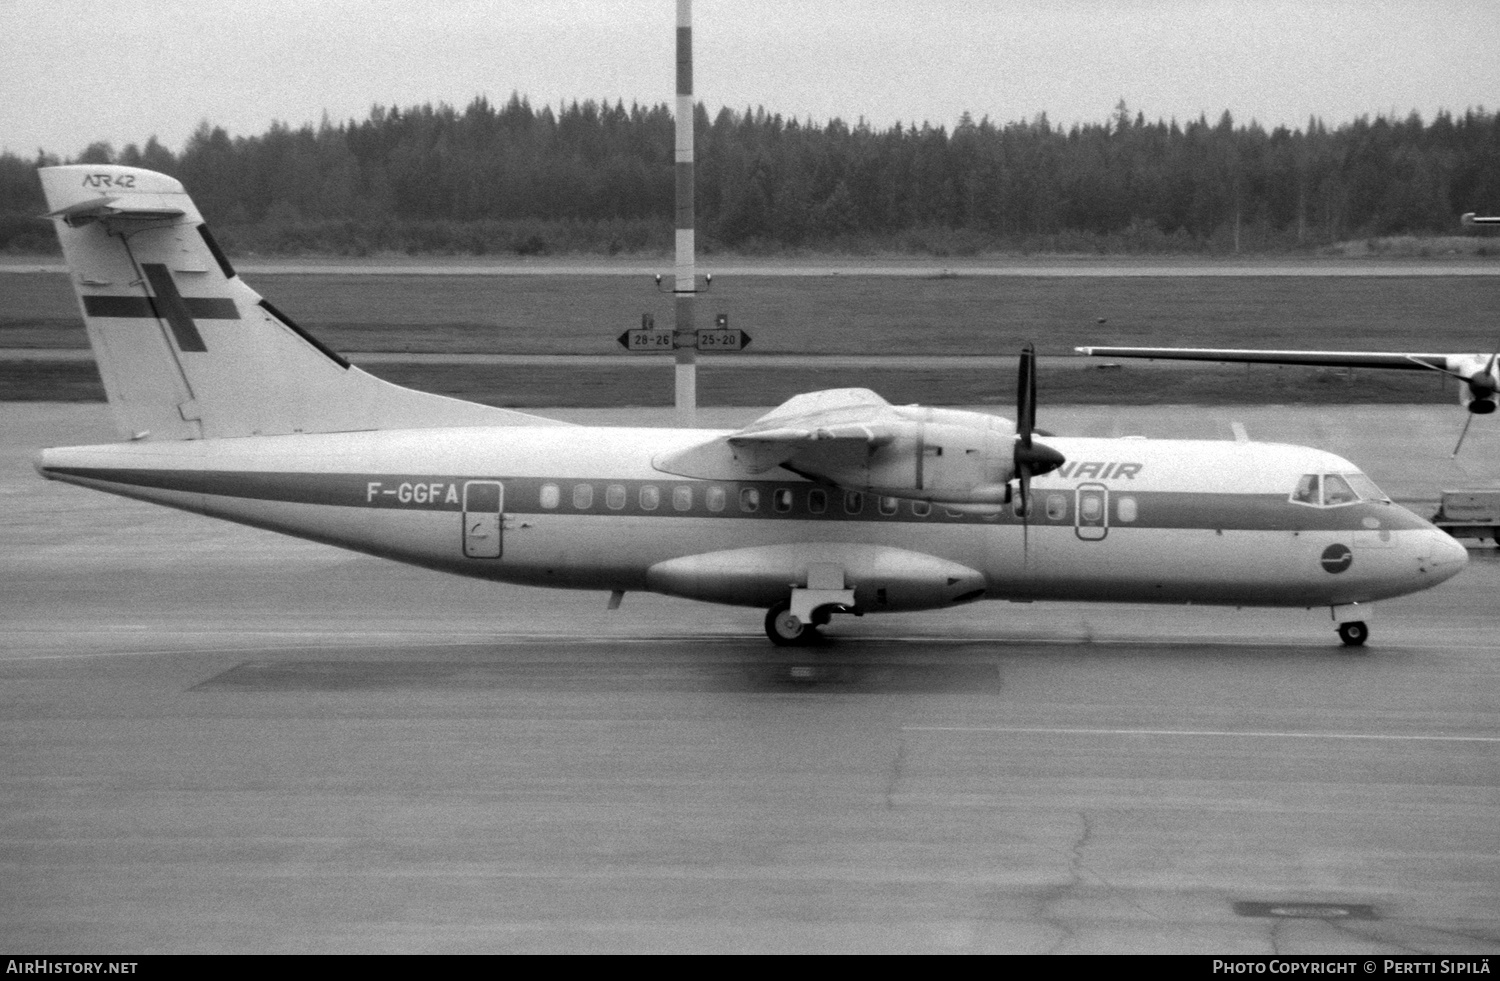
column 684, row 285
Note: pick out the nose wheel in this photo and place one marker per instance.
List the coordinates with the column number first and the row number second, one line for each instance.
column 1354, row 633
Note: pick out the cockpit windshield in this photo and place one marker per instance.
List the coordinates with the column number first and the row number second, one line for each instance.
column 1365, row 488
column 1334, row 489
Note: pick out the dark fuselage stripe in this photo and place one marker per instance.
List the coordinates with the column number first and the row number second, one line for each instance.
column 744, row 500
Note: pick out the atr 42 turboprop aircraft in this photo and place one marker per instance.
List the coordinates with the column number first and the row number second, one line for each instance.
column 836, row 502
column 1479, row 373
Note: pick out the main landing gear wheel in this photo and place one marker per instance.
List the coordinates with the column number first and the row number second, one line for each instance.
column 785, row 630
column 1354, row 633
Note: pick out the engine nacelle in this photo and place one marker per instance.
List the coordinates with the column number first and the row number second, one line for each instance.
column 947, row 456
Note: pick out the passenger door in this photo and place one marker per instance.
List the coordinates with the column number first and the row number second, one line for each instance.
column 1092, row 511
column 484, row 500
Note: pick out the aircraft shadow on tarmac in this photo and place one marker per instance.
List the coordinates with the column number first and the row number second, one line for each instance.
column 838, row 675
column 852, row 667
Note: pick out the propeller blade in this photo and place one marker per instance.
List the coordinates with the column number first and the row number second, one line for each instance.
column 1026, row 394
column 1025, row 422
column 1025, row 481
column 1030, row 459
column 1468, row 418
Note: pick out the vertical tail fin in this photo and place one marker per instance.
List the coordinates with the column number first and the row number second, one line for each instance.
column 186, row 349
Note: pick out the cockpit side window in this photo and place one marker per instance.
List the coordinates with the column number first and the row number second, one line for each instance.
column 1307, row 490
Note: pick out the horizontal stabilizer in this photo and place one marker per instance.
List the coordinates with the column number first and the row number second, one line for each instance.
column 139, row 207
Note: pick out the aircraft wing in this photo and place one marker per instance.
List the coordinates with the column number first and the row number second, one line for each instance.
column 1332, row 359
column 838, row 427
column 815, row 405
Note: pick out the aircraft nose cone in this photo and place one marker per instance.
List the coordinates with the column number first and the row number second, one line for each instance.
column 1444, row 557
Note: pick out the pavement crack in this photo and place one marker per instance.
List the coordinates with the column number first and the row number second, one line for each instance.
column 1079, row 869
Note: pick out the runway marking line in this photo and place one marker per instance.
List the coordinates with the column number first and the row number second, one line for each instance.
column 1024, row 730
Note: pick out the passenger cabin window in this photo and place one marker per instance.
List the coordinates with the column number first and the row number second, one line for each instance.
column 614, row 497
column 854, row 502
column 682, row 498
column 650, row 497
column 1057, row 507
column 551, row 496
column 888, row 505
column 749, row 499
column 781, row 499
column 1125, row 507
column 583, row 496
column 921, row 508
column 817, row 501
column 715, row 498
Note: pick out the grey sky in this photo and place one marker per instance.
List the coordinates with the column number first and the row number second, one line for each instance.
column 72, row 72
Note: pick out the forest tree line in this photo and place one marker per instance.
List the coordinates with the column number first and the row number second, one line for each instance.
column 593, row 177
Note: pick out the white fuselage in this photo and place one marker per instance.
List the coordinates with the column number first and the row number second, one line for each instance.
column 582, row 507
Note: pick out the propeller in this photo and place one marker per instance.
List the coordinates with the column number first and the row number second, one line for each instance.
column 1031, row 459
column 1482, row 390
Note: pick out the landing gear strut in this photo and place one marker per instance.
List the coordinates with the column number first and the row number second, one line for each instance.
column 1354, row 633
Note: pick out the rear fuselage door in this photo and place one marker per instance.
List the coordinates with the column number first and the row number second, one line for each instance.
column 1092, row 511
column 484, row 500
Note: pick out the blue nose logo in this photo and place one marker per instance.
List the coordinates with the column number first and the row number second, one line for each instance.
column 1336, row 558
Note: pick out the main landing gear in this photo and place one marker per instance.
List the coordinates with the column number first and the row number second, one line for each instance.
column 1354, row 633
column 794, row 621
column 786, row 629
